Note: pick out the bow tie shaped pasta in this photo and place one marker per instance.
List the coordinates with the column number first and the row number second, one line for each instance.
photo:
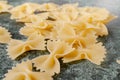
column 49, row 63
column 94, row 53
column 85, row 37
column 18, row 47
column 5, row 36
column 23, row 11
column 85, row 44
column 95, row 14
column 23, row 71
column 43, row 28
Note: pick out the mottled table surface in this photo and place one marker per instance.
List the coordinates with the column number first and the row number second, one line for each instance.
column 79, row 70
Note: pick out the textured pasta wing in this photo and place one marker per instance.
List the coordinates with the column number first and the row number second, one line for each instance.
column 5, row 36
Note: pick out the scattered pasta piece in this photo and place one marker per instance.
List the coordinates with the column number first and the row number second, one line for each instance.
column 4, row 7
column 94, row 13
column 18, row 47
column 49, row 63
column 5, row 36
column 24, row 10
column 23, row 71
column 43, row 28
column 84, row 38
column 94, row 53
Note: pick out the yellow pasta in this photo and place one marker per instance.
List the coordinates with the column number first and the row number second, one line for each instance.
column 49, row 63
column 24, row 10
column 42, row 27
column 4, row 7
column 68, row 31
column 5, row 36
column 23, row 71
column 18, row 47
column 83, row 38
column 95, row 13
column 94, row 53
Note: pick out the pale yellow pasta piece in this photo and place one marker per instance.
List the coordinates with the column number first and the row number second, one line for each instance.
column 4, row 7
column 49, row 63
column 71, row 10
column 23, row 71
column 99, row 28
column 5, row 36
column 94, row 53
column 95, row 14
column 66, row 13
column 24, row 10
column 18, row 47
column 82, row 39
column 43, row 28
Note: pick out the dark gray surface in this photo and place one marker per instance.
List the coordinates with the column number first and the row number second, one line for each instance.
column 80, row 70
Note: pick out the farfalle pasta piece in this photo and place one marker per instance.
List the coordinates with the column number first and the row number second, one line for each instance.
column 24, row 10
column 95, row 14
column 84, row 38
column 65, row 13
column 49, row 63
column 43, row 28
column 4, row 7
column 18, row 47
column 94, row 53
column 23, row 71
column 98, row 27
column 5, row 36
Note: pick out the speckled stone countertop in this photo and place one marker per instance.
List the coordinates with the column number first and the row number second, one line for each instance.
column 79, row 70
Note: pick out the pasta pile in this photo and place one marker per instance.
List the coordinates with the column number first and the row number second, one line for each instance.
column 67, row 31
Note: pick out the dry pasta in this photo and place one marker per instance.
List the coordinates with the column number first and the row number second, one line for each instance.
column 23, row 11
column 42, row 27
column 90, row 53
column 5, row 36
column 49, row 63
column 18, row 47
column 67, row 31
column 23, row 71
